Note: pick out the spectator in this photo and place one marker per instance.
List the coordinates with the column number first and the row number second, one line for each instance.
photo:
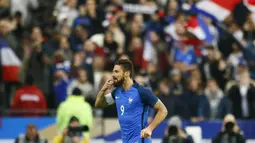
column 234, row 59
column 84, row 20
column 236, row 31
column 154, row 24
column 160, row 50
column 167, row 98
column 25, row 8
column 172, row 9
column 65, row 47
column 82, row 83
column 215, row 67
column 175, row 133
column 89, row 50
column 75, row 105
column 77, row 63
column 241, row 97
column 19, row 30
column 78, row 37
column 95, row 14
column 138, row 18
column 140, row 79
column 153, row 75
column 32, row 135
column 195, row 73
column 60, row 86
column 176, row 85
column 67, row 13
column 183, row 58
column 98, row 70
column 249, row 28
column 230, row 132
column 110, row 50
column 224, row 107
column 60, row 63
column 207, row 60
column 135, row 52
column 39, row 61
column 235, row 56
column 118, row 35
column 29, row 99
column 134, row 29
column 198, row 108
column 6, row 31
column 214, row 95
column 69, row 135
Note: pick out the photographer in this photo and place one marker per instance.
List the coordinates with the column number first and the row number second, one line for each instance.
column 75, row 105
column 230, row 132
column 174, row 132
column 32, row 136
column 73, row 133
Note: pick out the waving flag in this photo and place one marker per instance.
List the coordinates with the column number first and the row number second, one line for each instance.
column 171, row 31
column 193, row 27
column 198, row 27
column 10, row 63
column 250, row 4
column 149, row 52
column 218, row 9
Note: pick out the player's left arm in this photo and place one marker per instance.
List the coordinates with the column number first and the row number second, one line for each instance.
column 160, row 116
column 153, row 102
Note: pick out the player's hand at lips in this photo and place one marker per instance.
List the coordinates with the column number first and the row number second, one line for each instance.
column 146, row 133
column 108, row 84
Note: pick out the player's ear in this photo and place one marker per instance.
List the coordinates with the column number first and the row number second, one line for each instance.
column 126, row 74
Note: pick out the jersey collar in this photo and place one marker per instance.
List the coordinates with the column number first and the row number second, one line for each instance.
column 135, row 85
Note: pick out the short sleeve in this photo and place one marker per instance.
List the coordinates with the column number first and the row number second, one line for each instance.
column 148, row 98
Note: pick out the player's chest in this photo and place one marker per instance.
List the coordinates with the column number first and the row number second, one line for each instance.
column 128, row 100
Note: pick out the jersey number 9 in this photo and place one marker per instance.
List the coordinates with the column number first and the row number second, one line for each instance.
column 122, row 109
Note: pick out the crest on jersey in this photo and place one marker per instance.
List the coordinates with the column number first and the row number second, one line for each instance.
column 130, row 100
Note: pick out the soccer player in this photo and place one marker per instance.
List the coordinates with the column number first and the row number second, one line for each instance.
column 133, row 102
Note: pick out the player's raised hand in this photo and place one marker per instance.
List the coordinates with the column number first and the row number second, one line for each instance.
column 108, row 85
column 146, row 133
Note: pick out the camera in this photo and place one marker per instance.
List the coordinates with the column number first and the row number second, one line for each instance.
column 229, row 126
column 172, row 131
column 77, row 131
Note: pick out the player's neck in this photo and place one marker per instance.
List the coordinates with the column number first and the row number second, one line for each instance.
column 128, row 83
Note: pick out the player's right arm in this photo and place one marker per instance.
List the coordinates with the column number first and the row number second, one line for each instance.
column 103, row 100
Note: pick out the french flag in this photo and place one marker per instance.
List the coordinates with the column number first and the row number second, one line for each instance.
column 10, row 63
column 199, row 28
column 250, row 4
column 148, row 50
column 218, row 9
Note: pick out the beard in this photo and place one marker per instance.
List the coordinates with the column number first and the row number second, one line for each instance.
column 119, row 82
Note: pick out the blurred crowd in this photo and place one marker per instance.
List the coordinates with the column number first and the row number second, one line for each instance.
column 68, row 44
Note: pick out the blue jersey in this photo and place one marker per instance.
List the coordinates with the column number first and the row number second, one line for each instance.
column 133, row 107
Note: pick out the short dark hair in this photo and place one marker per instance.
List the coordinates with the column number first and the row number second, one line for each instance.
column 127, row 65
column 73, row 119
column 76, row 91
